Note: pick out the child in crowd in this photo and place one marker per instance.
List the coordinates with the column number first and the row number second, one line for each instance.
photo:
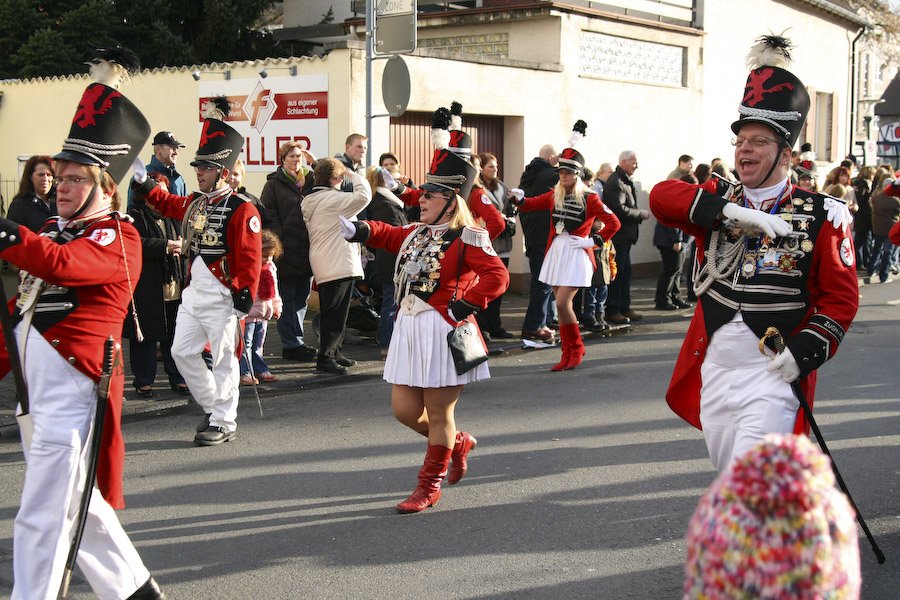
column 267, row 305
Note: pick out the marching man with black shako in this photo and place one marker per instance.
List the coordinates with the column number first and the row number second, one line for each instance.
column 222, row 232
column 78, row 277
column 770, row 255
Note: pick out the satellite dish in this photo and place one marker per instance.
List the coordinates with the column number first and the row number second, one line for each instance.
column 395, row 86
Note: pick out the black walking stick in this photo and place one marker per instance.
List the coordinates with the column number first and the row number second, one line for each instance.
column 26, row 426
column 773, row 333
column 109, row 352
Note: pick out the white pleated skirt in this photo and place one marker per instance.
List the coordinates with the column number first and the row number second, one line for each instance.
column 565, row 265
column 420, row 357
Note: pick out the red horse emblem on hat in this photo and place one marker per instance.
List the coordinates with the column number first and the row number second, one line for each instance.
column 569, row 153
column 755, row 90
column 439, row 157
column 93, row 103
column 207, row 135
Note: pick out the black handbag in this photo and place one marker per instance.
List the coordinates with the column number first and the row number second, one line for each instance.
column 465, row 344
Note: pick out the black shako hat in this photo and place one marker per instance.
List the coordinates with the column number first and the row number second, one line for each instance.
column 220, row 143
column 570, row 158
column 450, row 172
column 773, row 95
column 460, row 142
column 108, row 131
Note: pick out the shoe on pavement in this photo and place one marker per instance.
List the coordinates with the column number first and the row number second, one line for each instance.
column 246, row 379
column 344, row 361
column 501, row 334
column 540, row 335
column 634, row 316
column 213, row 436
column 302, row 353
column 329, row 365
column 618, row 319
column 888, row 280
column 666, row 306
column 267, row 376
column 149, row 591
column 681, row 303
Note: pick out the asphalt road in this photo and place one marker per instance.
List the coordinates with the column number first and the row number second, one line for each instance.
column 581, row 486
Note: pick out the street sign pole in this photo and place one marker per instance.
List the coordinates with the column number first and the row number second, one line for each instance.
column 370, row 46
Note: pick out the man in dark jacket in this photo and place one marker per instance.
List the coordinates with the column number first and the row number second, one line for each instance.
column 165, row 155
column 620, row 196
column 281, row 197
column 539, row 177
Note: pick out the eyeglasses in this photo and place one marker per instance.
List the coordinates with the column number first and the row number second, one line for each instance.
column 757, row 141
column 71, row 181
column 205, row 168
column 430, row 195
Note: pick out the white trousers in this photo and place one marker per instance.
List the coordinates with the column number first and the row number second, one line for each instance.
column 741, row 402
column 206, row 315
column 63, row 403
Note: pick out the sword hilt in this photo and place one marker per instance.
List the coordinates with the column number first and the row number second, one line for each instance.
column 777, row 339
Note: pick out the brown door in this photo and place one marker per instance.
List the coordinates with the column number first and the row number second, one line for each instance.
column 411, row 140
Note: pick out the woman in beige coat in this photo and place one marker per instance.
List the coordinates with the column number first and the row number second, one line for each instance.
column 335, row 263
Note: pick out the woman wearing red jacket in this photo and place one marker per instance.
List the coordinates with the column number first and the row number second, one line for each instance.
column 569, row 261
column 445, row 271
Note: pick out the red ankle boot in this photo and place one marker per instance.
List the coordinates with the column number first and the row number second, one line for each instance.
column 428, row 492
column 464, row 443
column 565, row 340
column 576, row 346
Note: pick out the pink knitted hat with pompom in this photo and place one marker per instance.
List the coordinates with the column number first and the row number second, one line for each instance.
column 773, row 526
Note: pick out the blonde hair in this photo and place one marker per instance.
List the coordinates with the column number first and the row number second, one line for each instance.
column 462, row 216
column 837, row 190
column 374, row 177
column 271, row 242
column 579, row 190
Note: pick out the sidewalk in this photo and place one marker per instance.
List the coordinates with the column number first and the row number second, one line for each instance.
column 294, row 377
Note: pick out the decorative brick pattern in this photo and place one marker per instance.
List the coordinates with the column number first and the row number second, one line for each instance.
column 633, row 60
column 490, row 44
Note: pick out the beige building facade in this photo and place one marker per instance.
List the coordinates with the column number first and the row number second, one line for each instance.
column 662, row 88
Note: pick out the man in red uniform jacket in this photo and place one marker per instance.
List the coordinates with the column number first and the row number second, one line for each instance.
column 769, row 254
column 224, row 246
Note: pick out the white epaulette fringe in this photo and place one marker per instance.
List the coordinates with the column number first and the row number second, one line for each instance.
column 476, row 236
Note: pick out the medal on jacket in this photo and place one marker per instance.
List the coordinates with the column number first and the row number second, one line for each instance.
column 559, row 227
column 29, row 290
column 210, row 237
column 199, row 222
column 749, row 265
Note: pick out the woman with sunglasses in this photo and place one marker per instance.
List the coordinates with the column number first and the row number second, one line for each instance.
column 446, row 270
column 569, row 260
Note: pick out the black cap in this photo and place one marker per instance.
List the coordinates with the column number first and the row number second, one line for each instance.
column 166, row 138
column 450, row 172
column 107, row 131
column 220, row 143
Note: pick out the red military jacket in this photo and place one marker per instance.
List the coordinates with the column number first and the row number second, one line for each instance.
column 91, row 279
column 233, row 247
column 594, row 209
column 809, row 291
column 482, row 278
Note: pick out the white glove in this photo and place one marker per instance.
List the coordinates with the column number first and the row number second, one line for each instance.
column 389, row 181
column 239, row 313
column 580, row 242
column 519, row 193
column 754, row 221
column 348, row 229
column 785, row 364
column 838, row 213
column 140, row 171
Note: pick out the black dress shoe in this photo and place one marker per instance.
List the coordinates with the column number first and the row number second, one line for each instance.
column 213, row 436
column 302, row 353
column 149, row 591
column 666, row 306
column 344, row 361
column 681, row 303
column 204, row 424
column 181, row 389
column 329, row 365
column 147, row 393
column 501, row 334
